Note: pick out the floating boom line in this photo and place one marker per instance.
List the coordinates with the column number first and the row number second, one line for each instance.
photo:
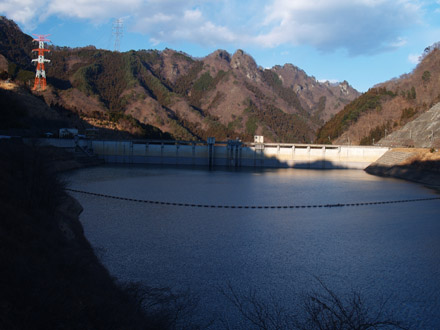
column 338, row 205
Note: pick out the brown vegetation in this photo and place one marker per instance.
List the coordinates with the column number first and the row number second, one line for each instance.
column 186, row 97
column 422, row 159
column 388, row 106
column 321, row 309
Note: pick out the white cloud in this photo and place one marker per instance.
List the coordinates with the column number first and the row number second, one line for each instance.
column 359, row 26
column 414, row 58
column 184, row 24
column 95, row 10
column 21, row 11
column 28, row 12
column 161, row 20
column 192, row 15
column 398, row 43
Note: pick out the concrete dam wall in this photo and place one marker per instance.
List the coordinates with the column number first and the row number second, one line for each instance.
column 236, row 154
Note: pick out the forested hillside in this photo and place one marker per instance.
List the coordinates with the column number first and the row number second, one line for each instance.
column 222, row 95
column 388, row 106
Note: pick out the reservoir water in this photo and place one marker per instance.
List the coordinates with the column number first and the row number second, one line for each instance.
column 387, row 251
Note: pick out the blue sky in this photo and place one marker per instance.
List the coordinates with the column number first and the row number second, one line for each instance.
column 362, row 41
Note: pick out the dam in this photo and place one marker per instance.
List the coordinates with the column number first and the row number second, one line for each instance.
column 231, row 153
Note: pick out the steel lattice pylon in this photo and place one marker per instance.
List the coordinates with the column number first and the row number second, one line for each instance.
column 118, row 31
column 40, row 76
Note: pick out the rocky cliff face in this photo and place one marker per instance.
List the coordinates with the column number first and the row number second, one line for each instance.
column 324, row 99
column 221, row 95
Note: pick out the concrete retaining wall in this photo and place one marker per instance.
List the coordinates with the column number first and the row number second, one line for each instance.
column 231, row 154
column 250, row 155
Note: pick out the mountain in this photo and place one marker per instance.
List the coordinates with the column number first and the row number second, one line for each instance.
column 388, row 107
column 222, row 95
column 25, row 114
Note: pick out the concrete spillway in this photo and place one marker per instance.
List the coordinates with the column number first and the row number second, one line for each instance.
column 237, row 154
column 232, row 153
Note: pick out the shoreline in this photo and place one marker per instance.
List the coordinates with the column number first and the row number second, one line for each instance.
column 429, row 179
column 421, row 166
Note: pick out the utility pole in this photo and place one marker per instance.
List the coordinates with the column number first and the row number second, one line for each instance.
column 40, row 75
column 118, row 31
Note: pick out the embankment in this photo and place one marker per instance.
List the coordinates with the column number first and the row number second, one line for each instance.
column 417, row 165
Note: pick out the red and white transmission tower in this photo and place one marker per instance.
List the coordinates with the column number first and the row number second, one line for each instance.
column 40, row 76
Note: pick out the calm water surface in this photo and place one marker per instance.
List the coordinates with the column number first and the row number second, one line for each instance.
column 384, row 251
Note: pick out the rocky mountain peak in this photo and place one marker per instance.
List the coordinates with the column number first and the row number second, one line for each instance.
column 221, row 54
column 292, row 68
column 345, row 87
column 219, row 60
column 245, row 63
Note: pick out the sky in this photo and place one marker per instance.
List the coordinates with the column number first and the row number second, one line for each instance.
column 364, row 42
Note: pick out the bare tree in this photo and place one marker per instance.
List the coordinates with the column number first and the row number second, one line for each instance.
column 323, row 310
column 165, row 308
column 327, row 310
column 259, row 314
